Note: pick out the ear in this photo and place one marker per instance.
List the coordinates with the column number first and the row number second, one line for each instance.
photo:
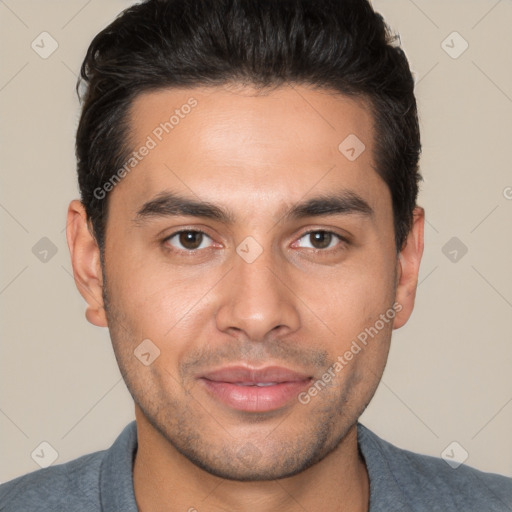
column 408, row 267
column 85, row 258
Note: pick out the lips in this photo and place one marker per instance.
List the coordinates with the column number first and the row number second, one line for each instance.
column 245, row 375
column 255, row 390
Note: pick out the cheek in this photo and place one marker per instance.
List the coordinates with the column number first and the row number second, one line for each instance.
column 152, row 301
column 354, row 296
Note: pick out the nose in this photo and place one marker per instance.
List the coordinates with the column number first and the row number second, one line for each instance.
column 257, row 299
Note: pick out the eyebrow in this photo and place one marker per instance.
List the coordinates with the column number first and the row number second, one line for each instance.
column 169, row 204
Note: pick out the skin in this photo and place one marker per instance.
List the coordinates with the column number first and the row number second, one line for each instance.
column 298, row 304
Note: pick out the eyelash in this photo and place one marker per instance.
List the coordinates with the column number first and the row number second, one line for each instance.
column 341, row 241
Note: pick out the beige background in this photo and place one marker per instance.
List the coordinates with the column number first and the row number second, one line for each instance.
column 449, row 374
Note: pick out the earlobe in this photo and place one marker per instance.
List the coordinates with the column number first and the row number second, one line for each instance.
column 85, row 259
column 408, row 267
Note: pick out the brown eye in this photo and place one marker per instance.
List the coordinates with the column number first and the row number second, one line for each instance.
column 319, row 239
column 189, row 240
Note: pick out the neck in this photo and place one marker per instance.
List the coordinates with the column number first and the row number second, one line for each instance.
column 164, row 480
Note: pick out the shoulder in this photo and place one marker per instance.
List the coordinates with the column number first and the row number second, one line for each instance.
column 72, row 486
column 430, row 483
column 93, row 482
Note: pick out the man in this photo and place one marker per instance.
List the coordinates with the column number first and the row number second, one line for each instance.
column 248, row 232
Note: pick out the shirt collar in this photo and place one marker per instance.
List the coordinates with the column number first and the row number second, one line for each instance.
column 385, row 492
column 116, row 474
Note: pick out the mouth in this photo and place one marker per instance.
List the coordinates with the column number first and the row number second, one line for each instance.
column 255, row 390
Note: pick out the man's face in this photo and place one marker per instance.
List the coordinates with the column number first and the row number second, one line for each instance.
column 256, row 289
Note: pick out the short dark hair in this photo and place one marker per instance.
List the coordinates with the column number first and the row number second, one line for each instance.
column 339, row 45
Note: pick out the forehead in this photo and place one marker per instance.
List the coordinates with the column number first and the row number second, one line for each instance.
column 273, row 146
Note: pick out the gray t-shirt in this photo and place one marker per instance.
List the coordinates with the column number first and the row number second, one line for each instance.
column 400, row 481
